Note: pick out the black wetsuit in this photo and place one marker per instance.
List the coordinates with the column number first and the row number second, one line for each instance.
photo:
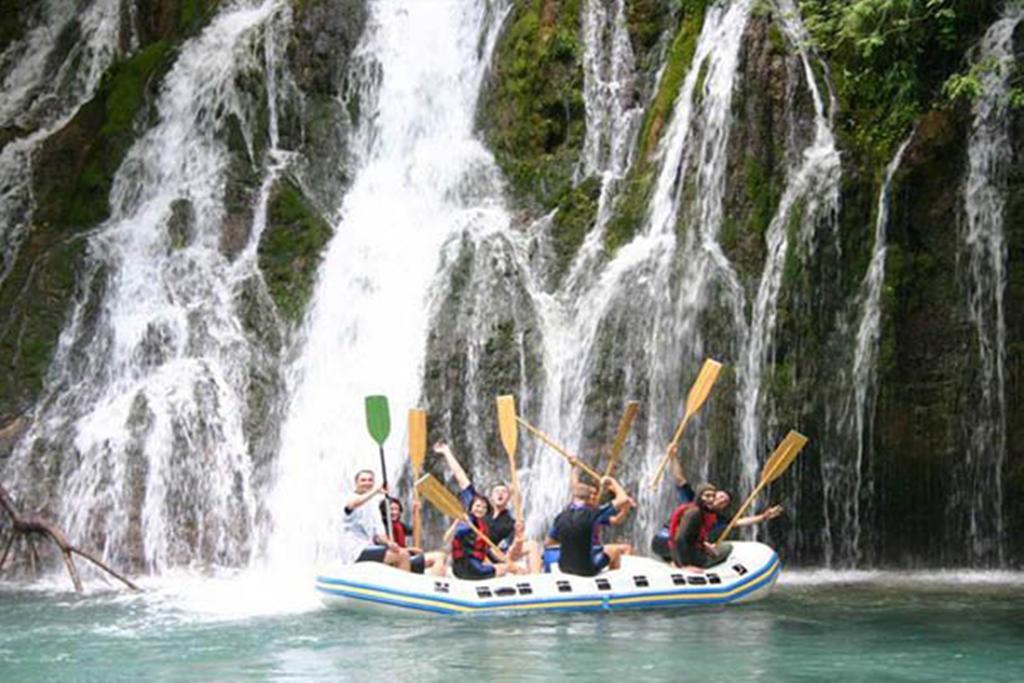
column 576, row 529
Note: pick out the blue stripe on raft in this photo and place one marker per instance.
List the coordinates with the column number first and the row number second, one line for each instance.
column 753, row 582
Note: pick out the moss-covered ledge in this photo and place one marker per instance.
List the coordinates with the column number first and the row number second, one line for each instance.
column 630, row 208
column 291, row 248
column 532, row 112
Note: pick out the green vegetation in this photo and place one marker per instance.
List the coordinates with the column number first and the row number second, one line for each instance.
column 532, row 112
column 576, row 215
column 630, row 209
column 891, row 58
column 677, row 65
column 290, row 249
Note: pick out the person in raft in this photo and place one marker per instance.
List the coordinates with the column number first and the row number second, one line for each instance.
column 469, row 551
column 364, row 536
column 685, row 494
column 402, row 535
column 689, row 532
column 502, row 528
column 553, row 551
column 576, row 530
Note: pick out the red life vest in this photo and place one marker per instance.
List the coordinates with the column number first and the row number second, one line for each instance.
column 479, row 547
column 707, row 523
column 398, row 532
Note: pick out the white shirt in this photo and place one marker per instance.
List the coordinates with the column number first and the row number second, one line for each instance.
column 359, row 528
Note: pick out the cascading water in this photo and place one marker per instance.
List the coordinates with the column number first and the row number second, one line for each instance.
column 143, row 418
column 983, row 257
column 810, row 200
column 424, row 185
column 37, row 100
column 843, row 483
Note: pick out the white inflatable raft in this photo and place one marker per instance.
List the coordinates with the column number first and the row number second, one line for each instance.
column 641, row 583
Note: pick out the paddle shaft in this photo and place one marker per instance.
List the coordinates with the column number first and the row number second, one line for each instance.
column 494, row 546
column 573, row 460
column 387, row 496
column 416, row 517
column 743, row 508
column 668, row 451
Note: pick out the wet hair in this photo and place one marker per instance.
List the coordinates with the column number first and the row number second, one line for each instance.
column 582, row 490
column 361, row 472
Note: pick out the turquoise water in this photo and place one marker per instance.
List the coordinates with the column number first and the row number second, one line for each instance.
column 814, row 627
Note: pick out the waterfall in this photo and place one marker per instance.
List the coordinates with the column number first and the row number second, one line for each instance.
column 142, row 425
column 425, row 185
column 612, row 112
column 43, row 84
column 983, row 257
column 843, row 482
column 811, row 199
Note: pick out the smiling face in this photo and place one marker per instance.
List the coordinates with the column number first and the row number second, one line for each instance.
column 478, row 508
column 396, row 510
column 364, row 481
column 707, row 498
column 722, row 501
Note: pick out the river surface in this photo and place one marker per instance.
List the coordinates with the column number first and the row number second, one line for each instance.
column 815, row 626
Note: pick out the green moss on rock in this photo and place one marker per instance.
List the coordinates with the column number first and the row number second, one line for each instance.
column 677, row 65
column 291, row 248
column 576, row 216
column 532, row 111
column 630, row 209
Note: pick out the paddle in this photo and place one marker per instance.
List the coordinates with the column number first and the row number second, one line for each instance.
column 694, row 400
column 417, row 452
column 773, row 468
column 573, row 460
column 378, row 422
column 445, row 501
column 620, row 438
column 509, row 439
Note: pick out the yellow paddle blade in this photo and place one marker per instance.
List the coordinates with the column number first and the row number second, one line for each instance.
column 440, row 497
column 417, row 439
column 620, row 437
column 702, row 387
column 784, row 454
column 507, row 424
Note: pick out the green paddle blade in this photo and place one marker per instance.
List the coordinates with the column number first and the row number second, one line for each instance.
column 378, row 421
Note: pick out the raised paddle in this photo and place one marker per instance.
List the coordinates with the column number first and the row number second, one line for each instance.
column 573, row 460
column 694, row 400
column 417, row 452
column 378, row 422
column 445, row 501
column 509, row 431
column 776, row 464
column 620, row 438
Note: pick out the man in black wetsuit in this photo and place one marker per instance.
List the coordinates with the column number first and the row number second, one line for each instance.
column 576, row 528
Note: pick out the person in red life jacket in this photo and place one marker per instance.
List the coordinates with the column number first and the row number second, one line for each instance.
column 504, row 530
column 576, row 530
column 469, row 549
column 685, row 494
column 402, row 535
column 690, row 532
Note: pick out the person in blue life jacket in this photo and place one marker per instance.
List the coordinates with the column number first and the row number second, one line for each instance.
column 576, row 530
column 502, row 528
column 685, row 494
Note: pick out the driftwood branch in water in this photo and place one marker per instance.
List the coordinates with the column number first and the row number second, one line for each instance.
column 28, row 528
